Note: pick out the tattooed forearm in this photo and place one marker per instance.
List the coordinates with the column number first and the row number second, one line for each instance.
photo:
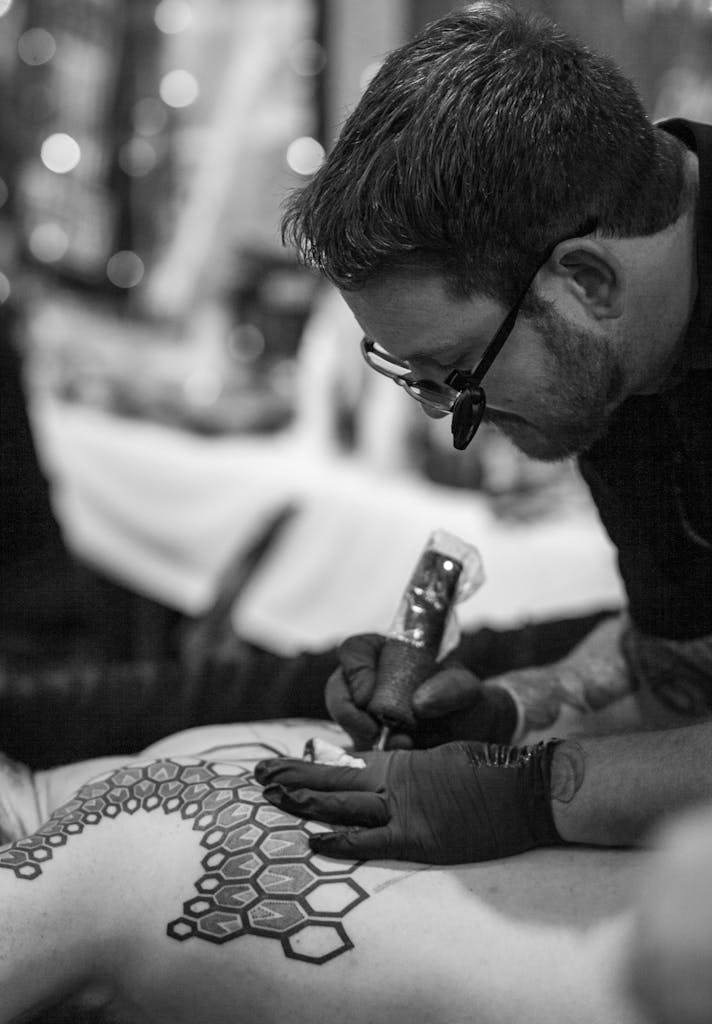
column 593, row 676
column 568, row 767
column 676, row 673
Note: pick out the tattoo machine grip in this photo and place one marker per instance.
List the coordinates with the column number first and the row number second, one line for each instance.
column 423, row 629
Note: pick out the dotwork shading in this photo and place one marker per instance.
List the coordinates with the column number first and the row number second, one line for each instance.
column 259, row 875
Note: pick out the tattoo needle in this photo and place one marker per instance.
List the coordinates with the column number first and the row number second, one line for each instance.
column 382, row 740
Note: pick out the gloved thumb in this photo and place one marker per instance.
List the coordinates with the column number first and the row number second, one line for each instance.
column 454, row 688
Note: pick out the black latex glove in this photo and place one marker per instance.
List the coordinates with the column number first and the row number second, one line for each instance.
column 453, row 804
column 452, row 704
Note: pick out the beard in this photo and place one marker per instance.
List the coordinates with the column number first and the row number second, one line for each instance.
column 572, row 412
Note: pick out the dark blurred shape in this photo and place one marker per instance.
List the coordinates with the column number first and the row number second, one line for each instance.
column 40, row 606
column 272, row 294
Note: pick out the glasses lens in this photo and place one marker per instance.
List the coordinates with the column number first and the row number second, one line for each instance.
column 467, row 413
column 381, row 361
column 431, row 394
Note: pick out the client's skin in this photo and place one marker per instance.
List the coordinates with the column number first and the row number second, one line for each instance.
column 169, row 891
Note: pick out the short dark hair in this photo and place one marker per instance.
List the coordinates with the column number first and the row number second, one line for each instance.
column 478, row 144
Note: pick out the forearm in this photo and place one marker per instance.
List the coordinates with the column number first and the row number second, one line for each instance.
column 594, row 676
column 610, row 790
column 673, row 677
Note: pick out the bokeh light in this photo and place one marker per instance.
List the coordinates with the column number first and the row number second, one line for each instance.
column 4, row 192
column 36, row 46
column 308, row 57
column 60, row 153
column 149, row 116
column 48, row 242
column 4, row 288
column 5, row 6
column 305, row 154
column 179, row 88
column 137, row 157
column 125, row 269
column 173, row 16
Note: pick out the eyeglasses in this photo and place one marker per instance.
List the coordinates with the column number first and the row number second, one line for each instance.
column 461, row 393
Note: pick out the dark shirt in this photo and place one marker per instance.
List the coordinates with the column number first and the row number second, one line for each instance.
column 651, row 474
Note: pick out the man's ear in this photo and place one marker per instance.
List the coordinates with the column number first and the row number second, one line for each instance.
column 591, row 274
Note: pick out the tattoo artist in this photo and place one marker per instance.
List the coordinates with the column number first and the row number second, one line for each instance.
column 499, row 213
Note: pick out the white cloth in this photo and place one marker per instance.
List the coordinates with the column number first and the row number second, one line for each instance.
column 339, row 567
column 163, row 510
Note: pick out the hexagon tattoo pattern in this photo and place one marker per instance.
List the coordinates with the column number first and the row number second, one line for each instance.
column 259, row 876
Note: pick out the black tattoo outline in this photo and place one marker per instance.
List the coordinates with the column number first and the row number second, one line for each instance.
column 568, row 768
column 260, row 750
column 259, row 875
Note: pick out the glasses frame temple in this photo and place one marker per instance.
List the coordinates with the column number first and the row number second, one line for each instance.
column 462, row 380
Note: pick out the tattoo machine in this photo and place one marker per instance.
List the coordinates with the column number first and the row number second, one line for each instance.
column 424, row 629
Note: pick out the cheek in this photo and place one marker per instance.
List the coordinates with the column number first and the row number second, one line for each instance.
column 515, row 383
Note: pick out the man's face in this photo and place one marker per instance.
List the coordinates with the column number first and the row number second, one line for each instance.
column 550, row 390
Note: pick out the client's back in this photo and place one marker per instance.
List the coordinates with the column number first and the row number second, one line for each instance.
column 170, row 891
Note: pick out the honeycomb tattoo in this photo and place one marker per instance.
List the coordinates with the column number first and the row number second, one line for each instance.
column 259, row 876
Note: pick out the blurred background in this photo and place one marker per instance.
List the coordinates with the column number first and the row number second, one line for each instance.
column 191, row 445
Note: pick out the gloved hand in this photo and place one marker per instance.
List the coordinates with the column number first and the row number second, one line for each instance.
column 454, row 804
column 452, row 704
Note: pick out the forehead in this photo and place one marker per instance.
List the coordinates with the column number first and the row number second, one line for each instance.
column 417, row 313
